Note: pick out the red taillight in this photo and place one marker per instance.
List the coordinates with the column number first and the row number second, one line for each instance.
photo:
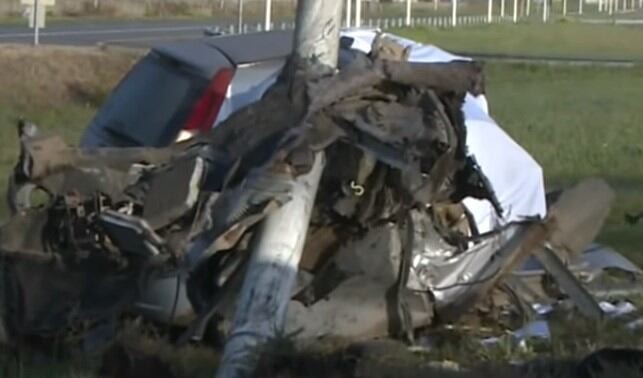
column 205, row 111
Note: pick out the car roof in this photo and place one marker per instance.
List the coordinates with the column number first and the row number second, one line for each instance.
column 208, row 55
column 254, row 47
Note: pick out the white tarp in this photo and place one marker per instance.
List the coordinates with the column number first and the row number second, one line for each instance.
column 515, row 176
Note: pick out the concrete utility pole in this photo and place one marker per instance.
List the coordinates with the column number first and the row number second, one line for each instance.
column 502, row 8
column 454, row 13
column 239, row 16
column 268, row 21
column 358, row 13
column 277, row 247
column 580, row 6
column 515, row 11
column 348, row 12
column 564, row 7
column 545, row 10
column 490, row 11
column 436, row 4
column 408, row 12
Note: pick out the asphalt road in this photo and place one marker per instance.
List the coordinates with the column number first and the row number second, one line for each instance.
column 137, row 34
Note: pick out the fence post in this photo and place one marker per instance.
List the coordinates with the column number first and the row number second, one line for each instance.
column 358, row 13
column 489, row 11
column 267, row 21
column 239, row 15
column 515, row 11
column 528, row 8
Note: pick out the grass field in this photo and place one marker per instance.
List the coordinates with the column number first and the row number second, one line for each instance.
column 563, row 39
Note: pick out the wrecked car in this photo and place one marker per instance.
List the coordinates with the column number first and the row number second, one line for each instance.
column 409, row 227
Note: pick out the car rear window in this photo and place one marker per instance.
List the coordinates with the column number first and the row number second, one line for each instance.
column 150, row 106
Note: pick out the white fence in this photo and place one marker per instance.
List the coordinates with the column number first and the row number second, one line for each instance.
column 497, row 11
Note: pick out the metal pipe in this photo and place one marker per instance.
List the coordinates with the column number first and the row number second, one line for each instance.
column 268, row 23
column 272, row 269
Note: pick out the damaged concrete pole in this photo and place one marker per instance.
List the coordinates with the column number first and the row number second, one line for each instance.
column 263, row 301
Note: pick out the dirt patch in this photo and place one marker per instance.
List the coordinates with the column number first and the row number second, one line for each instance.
column 51, row 76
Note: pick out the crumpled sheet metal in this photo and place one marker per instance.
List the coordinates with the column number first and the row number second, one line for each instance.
column 417, row 158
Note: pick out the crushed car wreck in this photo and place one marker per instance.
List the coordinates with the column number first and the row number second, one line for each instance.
column 400, row 234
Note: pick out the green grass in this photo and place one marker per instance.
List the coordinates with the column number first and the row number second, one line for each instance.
column 579, row 122
column 557, row 39
column 57, row 88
